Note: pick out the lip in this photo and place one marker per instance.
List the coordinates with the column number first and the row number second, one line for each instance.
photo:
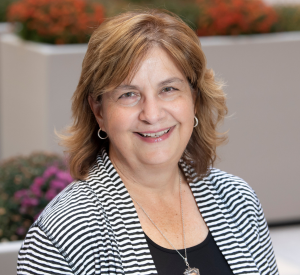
column 151, row 132
column 155, row 139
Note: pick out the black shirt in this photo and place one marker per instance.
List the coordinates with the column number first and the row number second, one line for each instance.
column 205, row 256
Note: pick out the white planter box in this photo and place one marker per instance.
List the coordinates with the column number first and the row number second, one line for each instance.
column 8, row 257
column 38, row 81
column 4, row 28
column 262, row 73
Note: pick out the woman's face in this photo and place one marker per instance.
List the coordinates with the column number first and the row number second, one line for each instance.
column 149, row 120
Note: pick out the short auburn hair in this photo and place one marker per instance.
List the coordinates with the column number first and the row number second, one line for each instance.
column 114, row 53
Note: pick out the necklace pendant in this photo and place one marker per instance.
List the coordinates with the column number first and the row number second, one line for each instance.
column 191, row 271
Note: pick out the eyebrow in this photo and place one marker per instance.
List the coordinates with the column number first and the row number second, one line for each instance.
column 162, row 83
column 170, row 80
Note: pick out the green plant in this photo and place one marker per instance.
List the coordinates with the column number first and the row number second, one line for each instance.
column 186, row 9
column 25, row 189
column 288, row 17
column 4, row 4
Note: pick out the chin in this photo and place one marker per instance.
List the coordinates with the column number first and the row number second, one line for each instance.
column 160, row 157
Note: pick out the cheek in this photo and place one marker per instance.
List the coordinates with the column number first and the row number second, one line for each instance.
column 109, row 116
column 184, row 111
column 117, row 120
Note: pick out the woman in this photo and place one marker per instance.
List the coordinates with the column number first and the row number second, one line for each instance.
column 143, row 140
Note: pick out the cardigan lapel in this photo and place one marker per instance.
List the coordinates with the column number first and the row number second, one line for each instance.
column 221, row 223
column 122, row 217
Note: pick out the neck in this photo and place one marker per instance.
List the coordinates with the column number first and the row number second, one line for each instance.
column 140, row 180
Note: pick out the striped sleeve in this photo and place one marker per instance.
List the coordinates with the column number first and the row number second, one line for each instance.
column 262, row 250
column 39, row 256
column 266, row 257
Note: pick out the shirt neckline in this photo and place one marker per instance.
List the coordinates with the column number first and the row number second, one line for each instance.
column 181, row 251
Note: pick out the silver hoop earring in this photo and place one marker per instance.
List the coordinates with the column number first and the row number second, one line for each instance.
column 100, row 136
column 196, row 119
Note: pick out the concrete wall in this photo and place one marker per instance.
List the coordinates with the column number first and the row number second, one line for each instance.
column 4, row 29
column 262, row 76
column 37, row 84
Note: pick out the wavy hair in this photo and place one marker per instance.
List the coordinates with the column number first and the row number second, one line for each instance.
column 114, row 53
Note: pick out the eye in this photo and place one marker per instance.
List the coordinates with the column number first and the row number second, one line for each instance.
column 169, row 89
column 126, row 95
column 129, row 98
column 169, row 93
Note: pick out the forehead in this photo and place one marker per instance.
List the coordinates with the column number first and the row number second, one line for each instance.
column 156, row 66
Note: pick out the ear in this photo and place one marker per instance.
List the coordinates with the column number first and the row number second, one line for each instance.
column 96, row 108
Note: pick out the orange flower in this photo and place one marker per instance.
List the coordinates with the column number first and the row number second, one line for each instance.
column 233, row 17
column 56, row 21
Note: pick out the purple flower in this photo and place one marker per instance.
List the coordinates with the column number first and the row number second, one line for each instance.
column 36, row 190
column 21, row 194
column 50, row 171
column 58, row 184
column 65, row 176
column 50, row 194
column 21, row 231
column 30, row 199
column 27, row 202
column 39, row 181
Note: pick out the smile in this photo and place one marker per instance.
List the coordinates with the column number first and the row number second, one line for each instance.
column 155, row 135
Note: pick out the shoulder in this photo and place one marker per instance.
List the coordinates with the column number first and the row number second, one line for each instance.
column 231, row 197
column 223, row 181
column 73, row 224
column 218, row 183
column 234, row 215
column 45, row 246
column 38, row 254
column 69, row 210
column 229, row 191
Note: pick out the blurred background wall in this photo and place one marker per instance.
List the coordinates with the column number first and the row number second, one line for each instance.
column 263, row 90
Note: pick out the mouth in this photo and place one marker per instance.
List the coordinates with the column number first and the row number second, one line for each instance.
column 155, row 135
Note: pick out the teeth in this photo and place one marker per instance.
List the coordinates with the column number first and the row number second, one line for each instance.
column 158, row 134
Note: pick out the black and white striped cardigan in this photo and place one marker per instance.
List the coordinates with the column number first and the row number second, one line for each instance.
column 92, row 227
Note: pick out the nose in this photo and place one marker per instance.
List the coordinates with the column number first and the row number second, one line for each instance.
column 152, row 110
